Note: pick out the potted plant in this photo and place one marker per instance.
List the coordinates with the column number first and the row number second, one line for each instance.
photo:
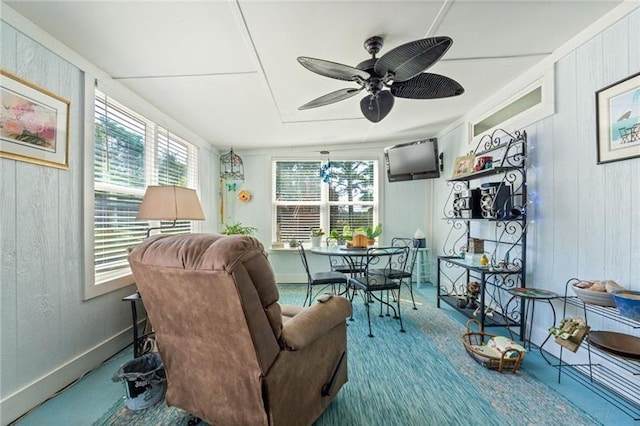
column 342, row 237
column 316, row 236
column 373, row 233
column 238, row 229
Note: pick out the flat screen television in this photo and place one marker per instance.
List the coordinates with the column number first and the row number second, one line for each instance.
column 412, row 160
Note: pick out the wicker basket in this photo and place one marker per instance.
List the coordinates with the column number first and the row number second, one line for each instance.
column 475, row 340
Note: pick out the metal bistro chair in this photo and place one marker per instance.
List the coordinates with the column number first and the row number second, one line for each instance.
column 376, row 280
column 341, row 264
column 406, row 275
column 320, row 279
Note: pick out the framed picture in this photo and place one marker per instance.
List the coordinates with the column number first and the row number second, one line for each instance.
column 34, row 123
column 618, row 120
column 463, row 165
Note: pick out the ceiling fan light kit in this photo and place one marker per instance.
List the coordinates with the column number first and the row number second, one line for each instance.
column 397, row 73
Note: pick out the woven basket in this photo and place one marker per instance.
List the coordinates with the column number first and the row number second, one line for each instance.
column 474, row 340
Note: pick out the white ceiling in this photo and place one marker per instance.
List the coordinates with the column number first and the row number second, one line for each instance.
column 227, row 70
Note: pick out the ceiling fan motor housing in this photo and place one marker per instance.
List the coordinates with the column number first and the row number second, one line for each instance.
column 373, row 45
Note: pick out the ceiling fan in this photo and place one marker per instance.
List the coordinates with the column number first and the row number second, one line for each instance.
column 400, row 70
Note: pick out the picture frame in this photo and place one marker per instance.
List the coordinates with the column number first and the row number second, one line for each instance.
column 34, row 123
column 618, row 120
column 464, row 165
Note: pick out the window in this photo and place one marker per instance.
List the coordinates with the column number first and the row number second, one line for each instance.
column 514, row 107
column 519, row 105
column 302, row 201
column 130, row 153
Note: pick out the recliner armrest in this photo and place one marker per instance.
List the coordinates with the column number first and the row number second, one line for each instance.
column 314, row 321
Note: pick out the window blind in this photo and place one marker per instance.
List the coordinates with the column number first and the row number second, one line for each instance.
column 131, row 153
column 303, row 202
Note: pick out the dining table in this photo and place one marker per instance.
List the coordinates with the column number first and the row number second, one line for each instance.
column 354, row 257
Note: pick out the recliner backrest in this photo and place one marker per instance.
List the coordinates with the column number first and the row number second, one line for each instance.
column 213, row 303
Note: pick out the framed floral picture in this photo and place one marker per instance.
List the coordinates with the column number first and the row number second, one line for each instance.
column 618, row 120
column 34, row 123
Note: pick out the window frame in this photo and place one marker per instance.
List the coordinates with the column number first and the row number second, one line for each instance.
column 324, row 203
column 545, row 108
column 108, row 281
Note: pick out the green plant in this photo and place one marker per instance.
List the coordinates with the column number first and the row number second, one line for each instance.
column 317, row 232
column 347, row 234
column 373, row 232
column 238, row 229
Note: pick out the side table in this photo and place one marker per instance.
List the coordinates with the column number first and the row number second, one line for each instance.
column 529, row 296
column 139, row 346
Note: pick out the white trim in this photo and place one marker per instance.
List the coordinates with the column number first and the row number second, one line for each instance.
column 90, row 289
column 539, row 69
column 32, row 394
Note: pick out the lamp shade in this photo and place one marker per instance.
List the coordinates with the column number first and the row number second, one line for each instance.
column 170, row 202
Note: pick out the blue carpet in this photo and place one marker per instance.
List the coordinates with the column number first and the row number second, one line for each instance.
column 421, row 377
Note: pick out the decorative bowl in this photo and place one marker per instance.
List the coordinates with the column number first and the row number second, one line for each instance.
column 628, row 303
column 601, row 298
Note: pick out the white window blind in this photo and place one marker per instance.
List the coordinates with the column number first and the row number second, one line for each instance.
column 131, row 153
column 302, row 201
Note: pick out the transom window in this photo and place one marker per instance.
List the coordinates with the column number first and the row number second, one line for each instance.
column 303, row 201
column 130, row 153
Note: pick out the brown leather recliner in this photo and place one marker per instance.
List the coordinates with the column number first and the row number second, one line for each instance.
column 233, row 355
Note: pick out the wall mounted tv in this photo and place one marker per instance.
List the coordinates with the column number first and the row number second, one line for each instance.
column 412, row 160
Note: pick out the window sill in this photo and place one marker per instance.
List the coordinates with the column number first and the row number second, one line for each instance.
column 285, row 249
column 108, row 282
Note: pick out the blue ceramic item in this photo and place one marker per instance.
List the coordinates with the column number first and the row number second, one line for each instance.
column 628, row 303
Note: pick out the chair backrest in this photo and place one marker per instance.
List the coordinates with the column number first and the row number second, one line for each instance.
column 413, row 252
column 303, row 257
column 335, row 261
column 213, row 304
column 386, row 261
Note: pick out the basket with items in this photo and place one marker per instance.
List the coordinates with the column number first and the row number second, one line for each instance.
column 492, row 351
column 596, row 292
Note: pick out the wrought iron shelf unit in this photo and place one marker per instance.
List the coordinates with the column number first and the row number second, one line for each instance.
column 490, row 205
column 610, row 385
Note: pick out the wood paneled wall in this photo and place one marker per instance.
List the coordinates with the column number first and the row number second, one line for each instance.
column 50, row 335
column 45, row 322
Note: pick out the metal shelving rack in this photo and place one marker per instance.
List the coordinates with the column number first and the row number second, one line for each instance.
column 619, row 391
column 506, row 248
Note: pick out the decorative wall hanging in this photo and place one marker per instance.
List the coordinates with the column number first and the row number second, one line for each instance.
column 34, row 123
column 618, row 120
column 231, row 166
column 244, row 196
column 325, row 169
column 231, row 172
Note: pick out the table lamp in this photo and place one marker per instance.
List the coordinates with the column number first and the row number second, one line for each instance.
column 170, row 202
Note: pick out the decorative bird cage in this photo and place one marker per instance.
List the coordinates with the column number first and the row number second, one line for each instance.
column 231, row 167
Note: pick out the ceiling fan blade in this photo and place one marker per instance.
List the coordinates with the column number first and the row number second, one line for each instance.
column 427, row 86
column 330, row 98
column 410, row 59
column 375, row 108
column 333, row 69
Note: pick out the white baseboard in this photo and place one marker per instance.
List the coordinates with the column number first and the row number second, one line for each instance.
column 22, row 400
